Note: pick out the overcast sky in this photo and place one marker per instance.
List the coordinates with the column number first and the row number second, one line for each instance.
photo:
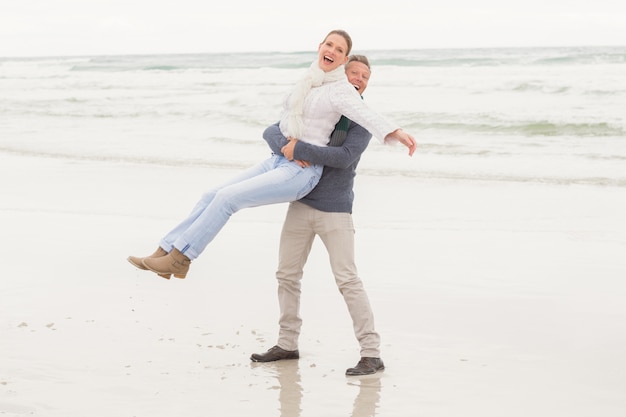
column 97, row 27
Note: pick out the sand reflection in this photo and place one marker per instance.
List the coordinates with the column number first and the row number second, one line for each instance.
column 291, row 393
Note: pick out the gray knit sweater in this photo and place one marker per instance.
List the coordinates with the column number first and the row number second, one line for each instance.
column 334, row 191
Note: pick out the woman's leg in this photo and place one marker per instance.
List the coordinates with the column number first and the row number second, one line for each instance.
column 167, row 242
column 285, row 182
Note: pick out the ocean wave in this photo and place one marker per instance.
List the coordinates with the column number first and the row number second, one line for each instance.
column 498, row 177
column 443, row 174
column 549, row 87
column 151, row 160
column 581, row 56
column 541, row 87
column 545, row 128
column 183, row 62
column 495, row 57
column 85, row 112
column 449, row 58
column 504, row 115
column 435, row 62
column 161, row 68
column 530, row 128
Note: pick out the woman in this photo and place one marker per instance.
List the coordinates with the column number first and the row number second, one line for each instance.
column 310, row 114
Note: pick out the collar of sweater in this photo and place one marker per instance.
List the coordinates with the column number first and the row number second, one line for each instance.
column 314, row 77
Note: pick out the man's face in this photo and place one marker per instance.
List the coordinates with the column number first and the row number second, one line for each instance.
column 358, row 75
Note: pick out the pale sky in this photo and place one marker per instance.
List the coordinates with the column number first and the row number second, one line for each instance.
column 108, row 27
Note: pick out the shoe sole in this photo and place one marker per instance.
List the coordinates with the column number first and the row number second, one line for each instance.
column 259, row 358
column 362, row 374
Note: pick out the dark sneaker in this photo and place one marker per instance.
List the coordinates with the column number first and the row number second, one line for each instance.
column 366, row 366
column 275, row 354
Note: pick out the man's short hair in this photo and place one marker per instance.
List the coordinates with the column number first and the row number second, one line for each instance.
column 359, row 58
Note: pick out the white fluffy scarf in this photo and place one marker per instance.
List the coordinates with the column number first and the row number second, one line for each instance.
column 291, row 123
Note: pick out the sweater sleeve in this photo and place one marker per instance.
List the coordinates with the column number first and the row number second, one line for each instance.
column 343, row 156
column 275, row 139
column 348, row 102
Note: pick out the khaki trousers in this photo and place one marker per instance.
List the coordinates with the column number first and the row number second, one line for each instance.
column 336, row 231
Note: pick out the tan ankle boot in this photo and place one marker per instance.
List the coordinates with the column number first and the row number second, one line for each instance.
column 173, row 263
column 138, row 262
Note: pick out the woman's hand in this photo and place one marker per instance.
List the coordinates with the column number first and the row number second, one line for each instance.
column 287, row 151
column 404, row 138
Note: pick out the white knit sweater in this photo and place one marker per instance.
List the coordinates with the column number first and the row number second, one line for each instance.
column 324, row 105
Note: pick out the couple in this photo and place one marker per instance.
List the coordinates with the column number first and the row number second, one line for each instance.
column 312, row 117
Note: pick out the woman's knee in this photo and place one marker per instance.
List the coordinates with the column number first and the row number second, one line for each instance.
column 227, row 199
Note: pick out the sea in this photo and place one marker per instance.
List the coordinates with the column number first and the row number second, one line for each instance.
column 535, row 115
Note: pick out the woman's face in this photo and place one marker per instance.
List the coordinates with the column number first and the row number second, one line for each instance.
column 332, row 53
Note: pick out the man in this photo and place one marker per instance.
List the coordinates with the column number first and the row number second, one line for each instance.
column 327, row 212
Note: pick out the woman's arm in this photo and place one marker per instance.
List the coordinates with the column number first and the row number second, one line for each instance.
column 348, row 102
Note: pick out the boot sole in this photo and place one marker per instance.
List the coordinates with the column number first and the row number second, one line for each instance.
column 165, row 275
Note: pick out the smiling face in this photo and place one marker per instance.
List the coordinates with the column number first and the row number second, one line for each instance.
column 358, row 75
column 333, row 52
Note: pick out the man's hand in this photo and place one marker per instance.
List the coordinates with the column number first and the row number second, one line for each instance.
column 303, row 164
column 287, row 151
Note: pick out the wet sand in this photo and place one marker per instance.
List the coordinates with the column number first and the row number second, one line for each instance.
column 491, row 299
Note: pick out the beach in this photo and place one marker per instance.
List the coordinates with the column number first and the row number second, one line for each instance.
column 493, row 258
column 491, row 299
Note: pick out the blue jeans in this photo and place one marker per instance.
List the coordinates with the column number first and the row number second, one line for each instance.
column 275, row 180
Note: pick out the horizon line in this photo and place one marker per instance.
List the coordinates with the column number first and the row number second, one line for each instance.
column 235, row 52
